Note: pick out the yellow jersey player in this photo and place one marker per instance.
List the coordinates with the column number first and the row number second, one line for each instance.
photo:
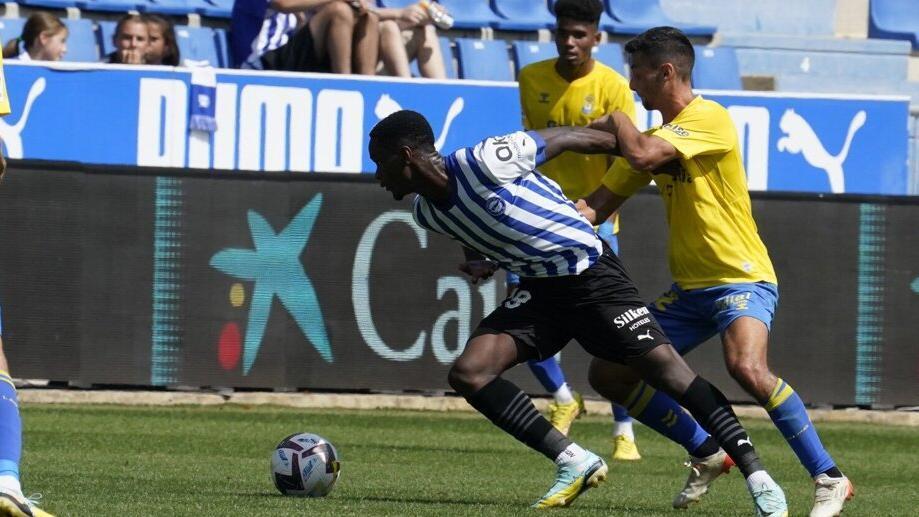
column 12, row 502
column 573, row 90
column 724, row 282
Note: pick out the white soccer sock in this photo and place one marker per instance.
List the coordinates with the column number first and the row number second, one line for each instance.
column 574, row 453
column 563, row 394
column 756, row 480
column 10, row 483
column 623, row 429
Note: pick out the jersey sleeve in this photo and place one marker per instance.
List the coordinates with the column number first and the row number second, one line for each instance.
column 621, row 179
column 506, row 158
column 704, row 132
column 524, row 91
column 4, row 97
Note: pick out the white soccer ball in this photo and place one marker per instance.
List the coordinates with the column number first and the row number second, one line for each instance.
column 305, row 465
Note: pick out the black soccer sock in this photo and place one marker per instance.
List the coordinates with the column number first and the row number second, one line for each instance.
column 708, row 447
column 502, row 402
column 713, row 412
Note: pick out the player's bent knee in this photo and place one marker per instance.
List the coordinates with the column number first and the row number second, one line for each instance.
column 611, row 380
column 466, row 380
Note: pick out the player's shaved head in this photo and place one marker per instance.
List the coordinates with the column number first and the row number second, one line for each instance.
column 579, row 10
column 665, row 45
column 405, row 127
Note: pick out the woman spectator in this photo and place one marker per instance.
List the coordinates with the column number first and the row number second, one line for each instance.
column 162, row 48
column 44, row 38
column 409, row 34
column 130, row 40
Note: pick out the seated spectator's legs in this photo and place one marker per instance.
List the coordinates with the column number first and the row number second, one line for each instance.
column 337, row 30
column 425, row 47
column 366, row 44
column 392, row 50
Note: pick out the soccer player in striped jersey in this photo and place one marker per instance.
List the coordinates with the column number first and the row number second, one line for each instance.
column 724, row 282
column 12, row 502
column 572, row 90
column 491, row 199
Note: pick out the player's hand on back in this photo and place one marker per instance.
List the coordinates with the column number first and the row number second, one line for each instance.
column 478, row 269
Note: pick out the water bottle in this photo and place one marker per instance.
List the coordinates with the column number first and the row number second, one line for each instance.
column 441, row 18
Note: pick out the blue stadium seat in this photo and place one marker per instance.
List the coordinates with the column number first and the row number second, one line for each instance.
column 470, row 14
column 174, row 7
column 223, row 48
column 716, row 69
column 10, row 28
column 396, row 4
column 54, row 4
column 483, row 59
column 610, row 54
column 106, row 30
column 446, row 48
column 197, row 44
column 81, row 41
column 636, row 16
column 526, row 52
column 894, row 19
column 606, row 23
column 523, row 15
column 217, row 8
column 119, row 6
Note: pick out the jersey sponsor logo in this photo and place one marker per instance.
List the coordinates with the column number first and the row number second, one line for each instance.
column 543, row 98
column 629, row 316
column 496, row 206
column 676, row 129
column 800, row 137
column 505, row 148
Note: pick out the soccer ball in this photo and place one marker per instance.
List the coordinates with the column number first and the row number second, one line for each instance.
column 304, row 465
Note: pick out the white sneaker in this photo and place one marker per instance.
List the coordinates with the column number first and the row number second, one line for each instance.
column 830, row 494
column 14, row 504
column 703, row 474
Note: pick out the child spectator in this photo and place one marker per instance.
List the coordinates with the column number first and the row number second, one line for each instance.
column 162, row 48
column 131, row 39
column 44, row 38
column 409, row 34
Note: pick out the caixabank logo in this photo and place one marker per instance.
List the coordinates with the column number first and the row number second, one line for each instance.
column 271, row 270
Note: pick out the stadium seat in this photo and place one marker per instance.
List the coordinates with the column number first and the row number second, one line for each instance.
column 174, row 7
column 483, row 59
column 606, row 23
column 81, row 41
column 105, row 34
column 223, row 48
column 10, row 28
column 197, row 44
column 446, row 48
column 610, row 54
column 636, row 16
column 54, row 4
column 523, row 15
column 470, row 14
column 894, row 19
column 526, row 52
column 119, row 6
column 716, row 69
column 217, row 8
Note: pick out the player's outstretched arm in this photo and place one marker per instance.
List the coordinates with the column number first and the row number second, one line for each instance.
column 643, row 152
column 477, row 266
column 577, row 139
column 600, row 204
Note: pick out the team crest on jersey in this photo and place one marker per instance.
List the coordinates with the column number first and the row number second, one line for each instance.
column 495, row 206
column 543, row 98
column 588, row 106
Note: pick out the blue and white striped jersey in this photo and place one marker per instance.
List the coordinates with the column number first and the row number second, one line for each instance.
column 276, row 30
column 503, row 208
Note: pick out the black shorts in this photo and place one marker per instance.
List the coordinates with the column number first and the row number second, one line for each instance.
column 297, row 55
column 600, row 308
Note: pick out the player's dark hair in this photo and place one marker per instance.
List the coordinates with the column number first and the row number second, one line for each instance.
column 404, row 127
column 665, row 45
column 579, row 10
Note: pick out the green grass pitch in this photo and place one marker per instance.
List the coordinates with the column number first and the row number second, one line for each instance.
column 128, row 461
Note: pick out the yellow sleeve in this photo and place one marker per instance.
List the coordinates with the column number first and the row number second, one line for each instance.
column 4, row 98
column 523, row 90
column 621, row 179
column 703, row 132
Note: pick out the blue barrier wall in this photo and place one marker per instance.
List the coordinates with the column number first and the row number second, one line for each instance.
column 307, row 122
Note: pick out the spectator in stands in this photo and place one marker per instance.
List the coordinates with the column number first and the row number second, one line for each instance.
column 245, row 25
column 338, row 36
column 131, row 39
column 44, row 38
column 162, row 48
column 408, row 34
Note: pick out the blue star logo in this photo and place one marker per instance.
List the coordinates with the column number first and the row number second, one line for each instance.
column 274, row 265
